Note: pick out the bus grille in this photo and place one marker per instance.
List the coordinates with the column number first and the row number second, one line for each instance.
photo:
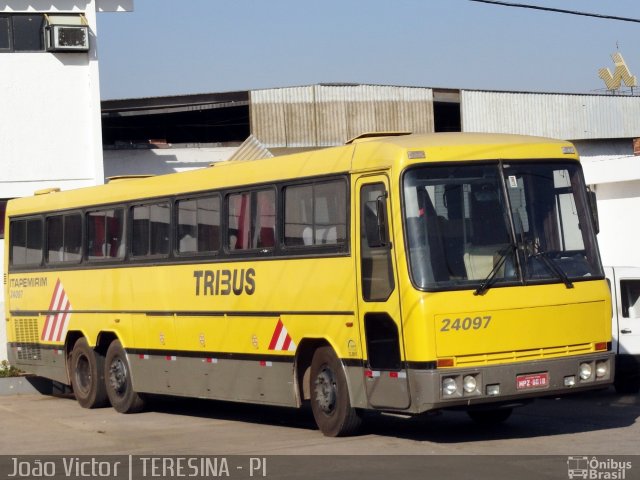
column 27, row 339
column 524, row 355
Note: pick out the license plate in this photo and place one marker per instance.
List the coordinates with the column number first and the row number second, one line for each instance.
column 532, row 380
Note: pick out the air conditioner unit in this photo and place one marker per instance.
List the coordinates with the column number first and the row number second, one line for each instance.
column 67, row 38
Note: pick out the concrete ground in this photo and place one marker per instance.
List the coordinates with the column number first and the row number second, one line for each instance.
column 545, row 440
column 598, row 423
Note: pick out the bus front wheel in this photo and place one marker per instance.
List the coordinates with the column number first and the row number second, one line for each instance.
column 330, row 402
column 87, row 375
column 118, row 381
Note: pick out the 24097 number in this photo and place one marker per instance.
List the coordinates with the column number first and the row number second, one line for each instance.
column 467, row 323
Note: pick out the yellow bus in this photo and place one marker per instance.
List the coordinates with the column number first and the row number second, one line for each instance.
column 397, row 273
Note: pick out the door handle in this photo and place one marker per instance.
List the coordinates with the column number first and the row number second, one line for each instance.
column 625, row 330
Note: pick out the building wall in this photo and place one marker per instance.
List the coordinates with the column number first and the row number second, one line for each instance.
column 50, row 131
column 574, row 117
column 327, row 115
column 162, row 161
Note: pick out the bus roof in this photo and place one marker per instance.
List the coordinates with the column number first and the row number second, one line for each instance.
column 365, row 153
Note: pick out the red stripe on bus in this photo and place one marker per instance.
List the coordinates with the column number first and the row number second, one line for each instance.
column 276, row 335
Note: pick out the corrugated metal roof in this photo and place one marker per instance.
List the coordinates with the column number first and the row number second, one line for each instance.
column 251, row 149
column 571, row 117
column 325, row 115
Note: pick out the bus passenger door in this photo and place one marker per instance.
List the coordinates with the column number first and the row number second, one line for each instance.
column 378, row 300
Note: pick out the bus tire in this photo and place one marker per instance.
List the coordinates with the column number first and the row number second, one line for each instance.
column 118, row 381
column 330, row 402
column 490, row 417
column 87, row 375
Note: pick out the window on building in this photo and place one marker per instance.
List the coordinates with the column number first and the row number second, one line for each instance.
column 28, row 33
column 3, row 209
column 5, row 33
column 22, row 32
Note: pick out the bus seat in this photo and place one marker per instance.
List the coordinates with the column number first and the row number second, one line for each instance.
column 326, row 235
column 307, row 236
column 480, row 259
column 188, row 244
column 330, row 235
column 267, row 237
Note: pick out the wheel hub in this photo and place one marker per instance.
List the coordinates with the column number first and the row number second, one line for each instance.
column 325, row 390
column 83, row 374
column 118, row 375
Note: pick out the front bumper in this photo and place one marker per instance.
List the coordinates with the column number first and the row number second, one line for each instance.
column 508, row 383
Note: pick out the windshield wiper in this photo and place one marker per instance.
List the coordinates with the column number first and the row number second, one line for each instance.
column 487, row 282
column 553, row 266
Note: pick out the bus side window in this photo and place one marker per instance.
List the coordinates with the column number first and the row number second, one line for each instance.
column 25, row 242
column 252, row 220
column 315, row 214
column 150, row 229
column 64, row 238
column 105, row 232
column 265, row 222
column 198, row 225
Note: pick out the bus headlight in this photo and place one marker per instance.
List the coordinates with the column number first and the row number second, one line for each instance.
column 469, row 384
column 585, row 371
column 449, row 386
column 602, row 369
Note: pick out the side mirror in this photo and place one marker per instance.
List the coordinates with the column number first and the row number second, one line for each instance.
column 376, row 222
column 593, row 205
column 381, row 210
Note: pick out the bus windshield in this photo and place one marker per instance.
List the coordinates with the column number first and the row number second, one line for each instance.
column 503, row 223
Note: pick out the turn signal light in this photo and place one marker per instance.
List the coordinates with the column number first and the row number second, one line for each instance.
column 444, row 362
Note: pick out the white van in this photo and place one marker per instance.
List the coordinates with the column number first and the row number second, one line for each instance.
column 625, row 296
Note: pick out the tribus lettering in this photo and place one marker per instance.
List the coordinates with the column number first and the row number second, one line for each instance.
column 225, row 282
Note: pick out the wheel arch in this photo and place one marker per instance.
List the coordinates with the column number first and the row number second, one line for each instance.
column 302, row 365
column 69, row 342
column 104, row 340
column 302, row 370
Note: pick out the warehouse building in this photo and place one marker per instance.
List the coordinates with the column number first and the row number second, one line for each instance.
column 161, row 135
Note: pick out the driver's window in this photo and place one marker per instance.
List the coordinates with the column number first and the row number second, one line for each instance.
column 377, row 269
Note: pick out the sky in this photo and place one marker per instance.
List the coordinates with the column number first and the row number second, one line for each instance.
column 169, row 47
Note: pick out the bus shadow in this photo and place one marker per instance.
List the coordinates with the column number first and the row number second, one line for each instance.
column 301, row 418
column 587, row 412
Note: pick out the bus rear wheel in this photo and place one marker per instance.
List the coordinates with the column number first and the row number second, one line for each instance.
column 330, row 402
column 118, row 381
column 87, row 375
